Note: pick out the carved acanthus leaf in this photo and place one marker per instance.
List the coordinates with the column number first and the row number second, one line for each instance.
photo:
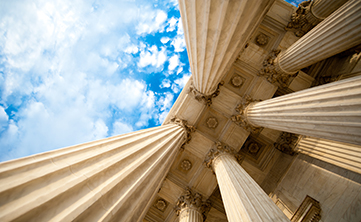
column 187, row 128
column 207, row 99
column 286, row 143
column 192, row 200
column 272, row 72
column 302, row 20
column 221, row 148
column 240, row 118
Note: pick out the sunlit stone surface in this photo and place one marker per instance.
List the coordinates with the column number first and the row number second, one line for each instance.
column 297, row 147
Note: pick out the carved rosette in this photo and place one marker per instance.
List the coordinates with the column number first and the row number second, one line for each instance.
column 186, row 165
column 241, row 119
column 204, row 98
column 286, row 143
column 192, row 200
column 187, row 128
column 221, row 149
column 273, row 72
column 303, row 20
column 262, row 39
column 161, row 204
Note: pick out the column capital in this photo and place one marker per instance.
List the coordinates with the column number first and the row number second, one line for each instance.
column 273, row 71
column 206, row 99
column 188, row 129
column 193, row 200
column 221, row 149
column 287, row 142
column 241, row 117
column 303, row 20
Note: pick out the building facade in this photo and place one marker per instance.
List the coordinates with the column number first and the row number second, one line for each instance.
column 268, row 128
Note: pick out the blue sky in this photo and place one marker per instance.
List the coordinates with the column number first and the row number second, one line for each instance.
column 73, row 71
column 76, row 71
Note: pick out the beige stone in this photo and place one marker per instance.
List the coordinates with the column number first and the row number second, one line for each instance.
column 101, row 180
column 331, row 111
column 215, row 31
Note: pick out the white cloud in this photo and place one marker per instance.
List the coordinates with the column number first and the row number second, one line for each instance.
column 100, row 129
column 180, row 28
column 165, row 83
column 3, row 118
column 172, row 24
column 64, row 71
column 165, row 103
column 178, row 43
column 180, row 83
column 151, row 22
column 152, row 57
column 120, row 127
column 164, row 40
column 180, row 69
column 131, row 49
column 183, row 80
column 173, row 62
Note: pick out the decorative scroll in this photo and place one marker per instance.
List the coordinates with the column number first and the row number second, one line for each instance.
column 286, row 143
column 204, row 98
column 187, row 128
column 192, row 200
column 302, row 20
column 219, row 149
column 240, row 119
column 273, row 72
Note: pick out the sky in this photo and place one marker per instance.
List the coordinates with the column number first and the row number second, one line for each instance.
column 73, row 71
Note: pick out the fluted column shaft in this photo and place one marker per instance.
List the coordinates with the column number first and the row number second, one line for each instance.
column 113, row 179
column 347, row 156
column 190, row 214
column 323, row 8
column 243, row 198
column 338, row 32
column 331, row 111
column 215, row 32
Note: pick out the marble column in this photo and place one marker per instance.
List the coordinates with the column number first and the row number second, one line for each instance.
column 310, row 13
column 331, row 111
column 243, row 198
column 105, row 180
column 344, row 155
column 215, row 32
column 338, row 32
column 191, row 208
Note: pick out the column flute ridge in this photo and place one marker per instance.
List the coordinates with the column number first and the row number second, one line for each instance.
column 100, row 180
column 343, row 155
column 333, row 113
column 191, row 207
column 310, row 13
column 243, row 198
column 60, row 166
column 347, row 24
column 215, row 33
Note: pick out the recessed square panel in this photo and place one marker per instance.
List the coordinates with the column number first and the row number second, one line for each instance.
column 212, row 123
column 239, row 78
